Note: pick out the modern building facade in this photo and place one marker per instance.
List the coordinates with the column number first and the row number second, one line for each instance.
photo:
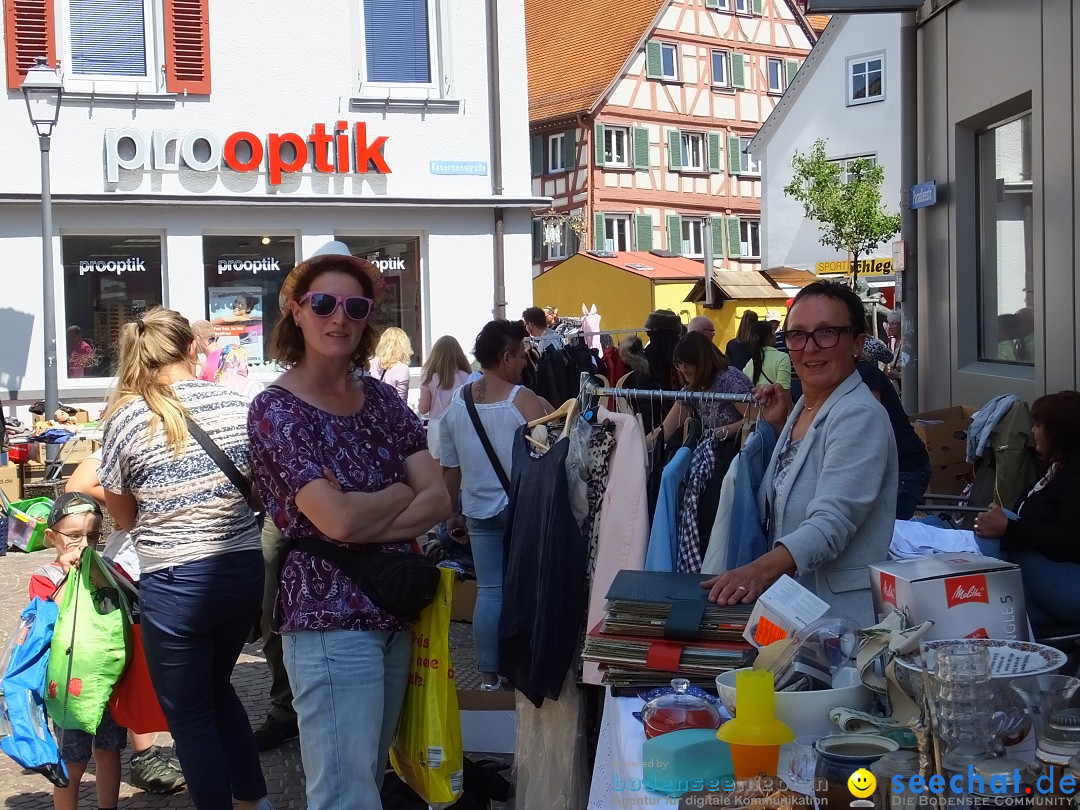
column 205, row 148
column 640, row 124
column 999, row 133
column 847, row 93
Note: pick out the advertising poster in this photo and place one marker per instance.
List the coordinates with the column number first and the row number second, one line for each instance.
column 237, row 317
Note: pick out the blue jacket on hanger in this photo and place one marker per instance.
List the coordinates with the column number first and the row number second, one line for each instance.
column 663, row 536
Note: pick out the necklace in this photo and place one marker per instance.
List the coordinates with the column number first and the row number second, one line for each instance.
column 809, row 407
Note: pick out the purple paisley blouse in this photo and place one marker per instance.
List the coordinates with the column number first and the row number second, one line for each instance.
column 291, row 441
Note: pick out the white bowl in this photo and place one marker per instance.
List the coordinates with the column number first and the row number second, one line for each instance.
column 807, row 712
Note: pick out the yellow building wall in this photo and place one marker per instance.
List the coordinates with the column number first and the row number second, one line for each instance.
column 623, row 299
column 729, row 316
column 671, row 295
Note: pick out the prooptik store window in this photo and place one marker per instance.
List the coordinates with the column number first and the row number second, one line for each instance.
column 243, row 277
column 399, row 260
column 108, row 280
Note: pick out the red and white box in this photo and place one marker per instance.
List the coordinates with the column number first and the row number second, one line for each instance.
column 966, row 595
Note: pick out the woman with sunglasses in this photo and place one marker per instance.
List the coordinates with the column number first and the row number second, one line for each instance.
column 340, row 459
column 828, row 495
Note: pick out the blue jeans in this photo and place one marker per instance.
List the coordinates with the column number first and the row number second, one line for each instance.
column 348, row 687
column 1051, row 589
column 910, row 488
column 195, row 619
column 486, row 541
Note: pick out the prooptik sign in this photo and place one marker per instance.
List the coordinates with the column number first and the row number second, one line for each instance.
column 117, row 266
column 264, row 265
column 331, row 152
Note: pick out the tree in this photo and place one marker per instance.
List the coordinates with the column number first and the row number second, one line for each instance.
column 850, row 214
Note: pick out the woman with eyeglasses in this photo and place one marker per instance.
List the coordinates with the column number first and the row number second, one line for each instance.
column 828, row 495
column 703, row 367
column 340, row 460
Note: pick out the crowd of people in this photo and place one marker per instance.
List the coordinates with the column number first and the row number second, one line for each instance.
column 237, row 499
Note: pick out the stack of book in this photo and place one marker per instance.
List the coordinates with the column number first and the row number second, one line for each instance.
column 658, row 626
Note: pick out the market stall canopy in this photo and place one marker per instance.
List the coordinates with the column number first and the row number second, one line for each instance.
column 790, row 275
column 738, row 285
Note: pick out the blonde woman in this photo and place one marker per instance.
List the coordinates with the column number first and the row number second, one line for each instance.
column 198, row 545
column 391, row 361
column 445, row 371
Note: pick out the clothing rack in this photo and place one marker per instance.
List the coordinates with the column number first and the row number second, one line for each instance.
column 590, row 390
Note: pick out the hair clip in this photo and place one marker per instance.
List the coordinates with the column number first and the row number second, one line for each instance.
column 140, row 325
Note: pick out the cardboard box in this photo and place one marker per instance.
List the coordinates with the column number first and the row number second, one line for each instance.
column 782, row 611
column 966, row 595
column 463, row 600
column 10, row 481
column 950, row 479
column 944, row 432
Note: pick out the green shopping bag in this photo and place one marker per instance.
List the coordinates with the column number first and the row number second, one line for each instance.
column 90, row 646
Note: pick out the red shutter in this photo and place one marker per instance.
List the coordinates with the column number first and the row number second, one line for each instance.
column 29, row 32
column 187, row 46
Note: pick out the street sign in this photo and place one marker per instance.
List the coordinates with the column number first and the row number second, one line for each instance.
column 923, row 195
column 898, row 256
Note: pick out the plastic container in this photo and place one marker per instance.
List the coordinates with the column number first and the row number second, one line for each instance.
column 755, row 735
column 26, row 524
column 678, row 710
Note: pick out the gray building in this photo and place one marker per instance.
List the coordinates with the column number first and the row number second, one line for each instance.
column 999, row 132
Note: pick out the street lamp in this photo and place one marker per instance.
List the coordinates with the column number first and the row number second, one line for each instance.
column 43, row 90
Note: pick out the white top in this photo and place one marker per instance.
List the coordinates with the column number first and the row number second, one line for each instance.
column 188, row 508
column 482, row 496
column 440, row 397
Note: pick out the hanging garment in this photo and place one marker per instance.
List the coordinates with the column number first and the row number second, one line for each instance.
column 655, row 473
column 726, row 452
column 551, row 751
column 623, row 527
column 737, row 536
column 663, row 537
column 544, row 586
column 983, row 423
column 702, row 465
column 598, row 461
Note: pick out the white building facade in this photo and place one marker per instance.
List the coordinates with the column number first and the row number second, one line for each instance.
column 846, row 92
column 203, row 149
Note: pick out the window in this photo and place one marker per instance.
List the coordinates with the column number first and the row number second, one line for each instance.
column 1005, row 264
column 845, row 165
column 398, row 38
column 720, row 74
column 750, row 238
column 693, row 152
column 616, row 146
column 747, row 163
column 743, row 7
column 108, row 280
column 555, row 153
column 243, row 275
column 669, row 56
column 109, row 42
column 693, row 237
column 776, row 75
column 866, row 79
column 616, row 232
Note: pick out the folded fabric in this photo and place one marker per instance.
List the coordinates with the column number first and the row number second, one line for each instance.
column 912, row 538
column 983, row 422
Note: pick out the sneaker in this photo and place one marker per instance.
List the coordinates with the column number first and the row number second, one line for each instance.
column 153, row 772
column 274, row 732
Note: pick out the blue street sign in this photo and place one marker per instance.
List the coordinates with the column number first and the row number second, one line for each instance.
column 923, row 195
column 479, row 167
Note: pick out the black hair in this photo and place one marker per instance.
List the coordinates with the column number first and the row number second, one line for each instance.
column 535, row 316
column 496, row 338
column 837, row 291
column 1059, row 416
column 694, row 349
column 762, row 339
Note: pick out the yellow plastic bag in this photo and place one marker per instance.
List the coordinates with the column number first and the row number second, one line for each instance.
column 427, row 751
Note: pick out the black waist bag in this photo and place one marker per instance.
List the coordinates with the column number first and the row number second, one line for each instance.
column 400, row 584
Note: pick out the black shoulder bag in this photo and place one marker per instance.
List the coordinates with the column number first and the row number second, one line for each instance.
column 470, row 406
column 219, row 457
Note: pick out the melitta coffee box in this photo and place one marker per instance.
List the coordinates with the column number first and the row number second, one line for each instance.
column 966, row 595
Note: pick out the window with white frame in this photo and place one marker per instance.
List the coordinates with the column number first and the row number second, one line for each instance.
column 845, row 165
column 747, row 163
column 693, row 152
column 723, row 5
column 866, row 79
column 743, row 7
column 750, row 238
column 115, row 42
column 400, row 43
column 721, row 76
column 617, row 232
column 669, row 60
column 776, row 75
column 693, row 236
column 555, row 153
column 616, row 146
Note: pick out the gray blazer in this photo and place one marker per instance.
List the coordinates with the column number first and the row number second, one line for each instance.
column 837, row 513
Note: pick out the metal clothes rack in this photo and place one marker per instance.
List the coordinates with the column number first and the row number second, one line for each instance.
column 590, row 390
